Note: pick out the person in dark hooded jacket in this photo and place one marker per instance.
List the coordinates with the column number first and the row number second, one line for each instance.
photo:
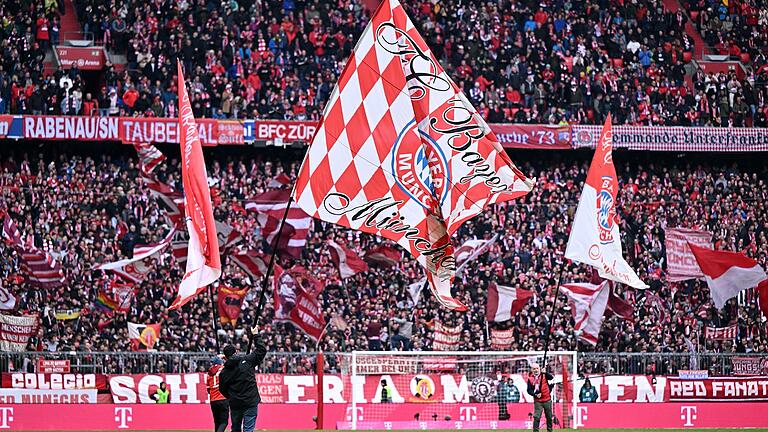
column 237, row 382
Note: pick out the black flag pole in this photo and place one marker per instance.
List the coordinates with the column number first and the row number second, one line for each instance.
column 270, row 266
column 215, row 321
column 552, row 315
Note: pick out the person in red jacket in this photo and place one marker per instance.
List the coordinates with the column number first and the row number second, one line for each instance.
column 539, row 388
column 219, row 404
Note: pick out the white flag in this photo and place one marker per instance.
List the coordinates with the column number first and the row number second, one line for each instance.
column 588, row 302
column 595, row 239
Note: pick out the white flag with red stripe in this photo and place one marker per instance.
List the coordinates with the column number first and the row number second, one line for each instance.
column 203, row 261
column 588, row 303
column 471, row 249
column 135, row 268
column 270, row 209
column 595, row 239
column 253, row 263
column 149, row 157
column 401, row 153
column 505, row 302
column 727, row 273
column 348, row 262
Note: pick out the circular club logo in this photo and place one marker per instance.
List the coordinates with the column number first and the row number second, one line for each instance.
column 422, row 387
column 420, row 167
column 483, row 389
column 605, row 212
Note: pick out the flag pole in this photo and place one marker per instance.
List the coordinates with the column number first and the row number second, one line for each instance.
column 552, row 315
column 265, row 283
column 214, row 308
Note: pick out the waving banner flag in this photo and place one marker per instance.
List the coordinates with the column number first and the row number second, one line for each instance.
column 727, row 273
column 270, row 207
column 143, row 336
column 348, row 262
column 401, row 153
column 588, row 303
column 203, row 261
column 149, row 157
column 134, row 269
column 230, row 302
column 383, row 256
column 681, row 264
column 505, row 302
column 595, row 238
column 252, row 263
column 471, row 249
column 295, row 300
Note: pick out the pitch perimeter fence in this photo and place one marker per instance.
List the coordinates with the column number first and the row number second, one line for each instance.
column 591, row 363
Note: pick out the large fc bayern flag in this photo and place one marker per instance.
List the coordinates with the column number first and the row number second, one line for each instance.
column 203, row 261
column 595, row 239
column 401, row 153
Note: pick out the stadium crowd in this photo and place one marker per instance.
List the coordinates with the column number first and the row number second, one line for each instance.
column 86, row 208
column 518, row 61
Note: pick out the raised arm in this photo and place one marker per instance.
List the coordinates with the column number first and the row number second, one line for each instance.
column 256, row 356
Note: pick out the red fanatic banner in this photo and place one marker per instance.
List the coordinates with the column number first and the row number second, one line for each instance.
column 681, row 264
column 718, row 389
column 750, row 366
column 721, row 333
column 128, row 130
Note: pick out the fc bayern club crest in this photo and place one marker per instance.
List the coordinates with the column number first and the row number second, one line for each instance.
column 420, row 167
column 605, row 210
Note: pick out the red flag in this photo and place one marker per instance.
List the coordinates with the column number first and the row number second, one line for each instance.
column 620, row 307
column 762, row 296
column 348, row 262
column 280, row 181
column 253, row 263
column 384, row 256
column 727, row 273
column 203, row 261
column 295, row 300
column 505, row 302
column 401, row 153
column 230, row 303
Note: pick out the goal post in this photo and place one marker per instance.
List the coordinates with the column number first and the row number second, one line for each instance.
column 409, row 390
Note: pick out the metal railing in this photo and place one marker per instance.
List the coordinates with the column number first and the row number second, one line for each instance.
column 662, row 364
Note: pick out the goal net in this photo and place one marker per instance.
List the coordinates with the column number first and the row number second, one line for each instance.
column 454, row 390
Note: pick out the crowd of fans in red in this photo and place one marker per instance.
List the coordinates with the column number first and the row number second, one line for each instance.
column 518, row 61
column 72, row 203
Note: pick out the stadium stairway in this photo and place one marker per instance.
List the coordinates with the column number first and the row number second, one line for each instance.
column 700, row 46
column 70, row 26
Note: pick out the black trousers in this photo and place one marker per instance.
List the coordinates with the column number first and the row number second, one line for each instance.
column 220, row 410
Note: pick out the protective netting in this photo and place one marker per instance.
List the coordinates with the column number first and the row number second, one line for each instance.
column 440, row 390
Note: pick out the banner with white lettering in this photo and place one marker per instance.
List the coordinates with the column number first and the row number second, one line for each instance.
column 750, row 366
column 15, row 331
column 663, row 138
column 540, row 137
column 53, row 381
column 681, row 264
column 718, row 389
column 721, row 333
column 129, row 129
column 371, row 365
column 27, row 396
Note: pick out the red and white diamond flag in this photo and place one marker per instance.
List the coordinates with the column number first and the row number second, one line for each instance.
column 401, row 153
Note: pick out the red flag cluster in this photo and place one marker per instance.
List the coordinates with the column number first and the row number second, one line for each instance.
column 296, row 300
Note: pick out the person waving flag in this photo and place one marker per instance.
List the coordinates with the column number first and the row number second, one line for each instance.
column 203, row 261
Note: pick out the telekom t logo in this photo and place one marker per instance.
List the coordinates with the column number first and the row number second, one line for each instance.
column 123, row 415
column 358, row 413
column 581, row 415
column 6, row 417
column 688, row 414
column 467, row 413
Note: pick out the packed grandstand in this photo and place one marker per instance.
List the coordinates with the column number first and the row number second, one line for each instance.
column 518, row 62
